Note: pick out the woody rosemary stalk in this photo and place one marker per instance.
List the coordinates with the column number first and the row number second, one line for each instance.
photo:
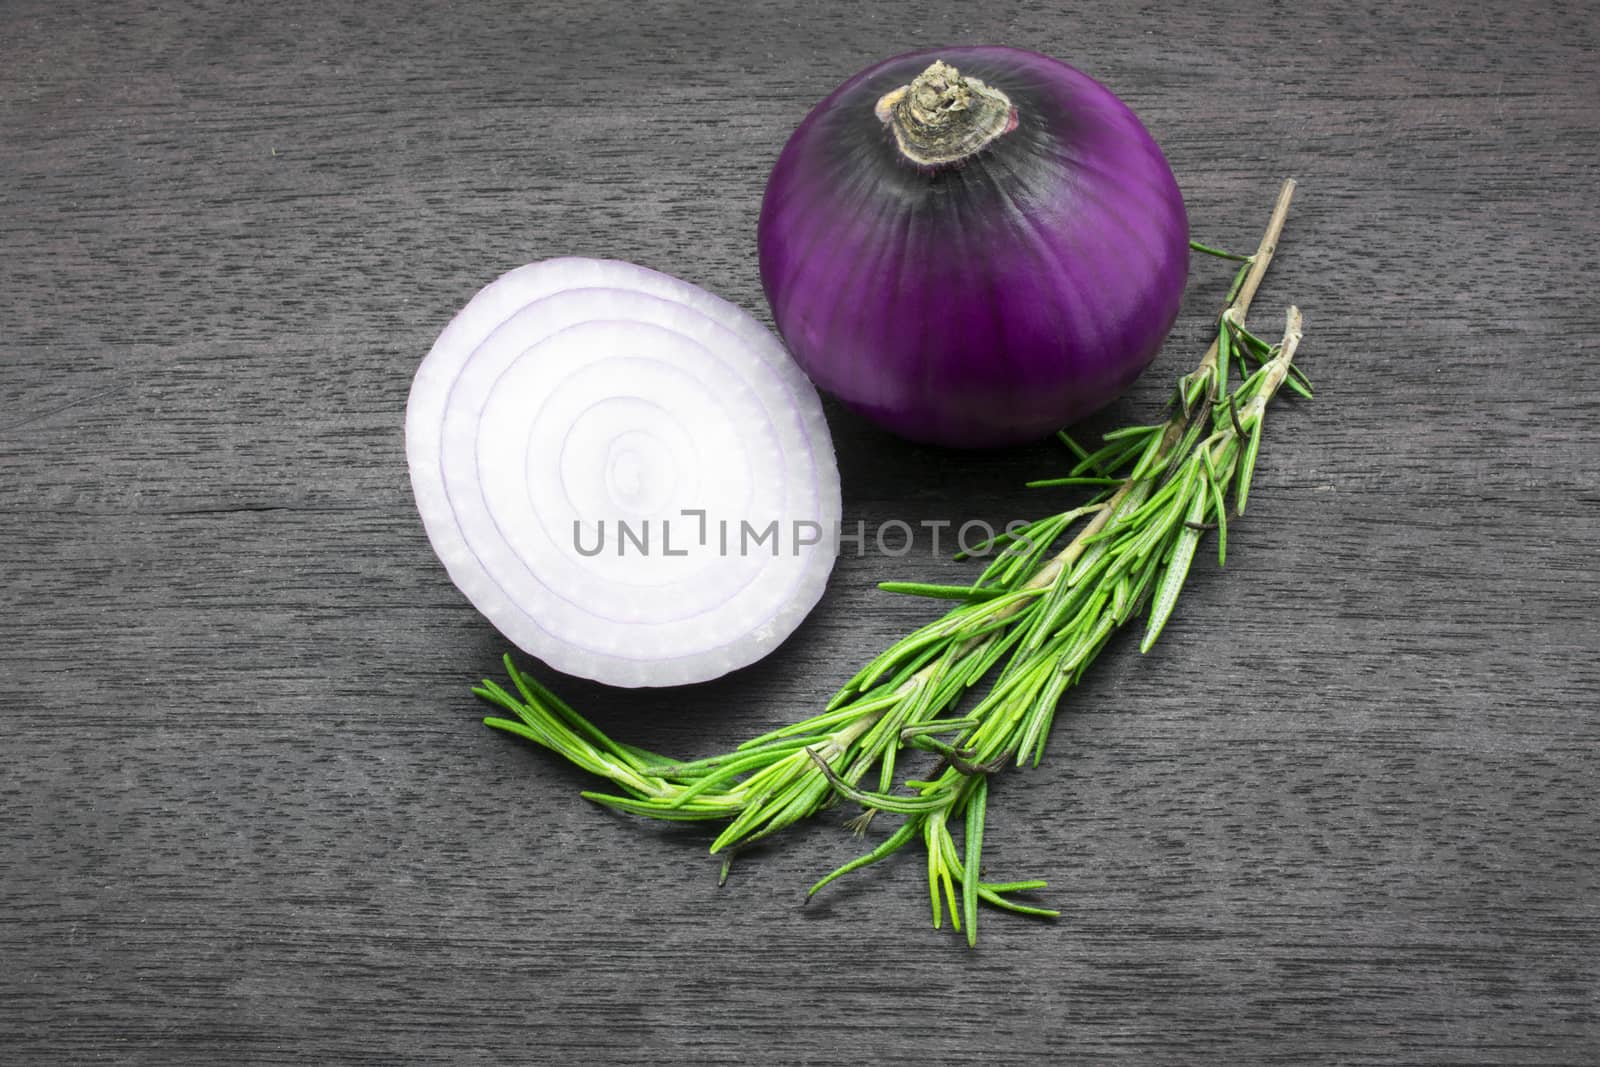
column 1050, row 598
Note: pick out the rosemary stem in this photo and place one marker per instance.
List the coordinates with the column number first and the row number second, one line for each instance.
column 1259, row 262
column 1278, row 367
column 1266, row 249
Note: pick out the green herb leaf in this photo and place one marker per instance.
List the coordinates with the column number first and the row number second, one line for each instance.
column 1177, row 571
column 977, row 800
column 1247, row 466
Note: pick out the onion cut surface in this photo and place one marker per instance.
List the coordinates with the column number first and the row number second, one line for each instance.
column 627, row 475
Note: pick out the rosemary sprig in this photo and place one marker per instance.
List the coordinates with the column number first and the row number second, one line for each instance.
column 1038, row 614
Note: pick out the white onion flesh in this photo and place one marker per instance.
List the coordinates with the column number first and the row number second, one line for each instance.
column 600, row 392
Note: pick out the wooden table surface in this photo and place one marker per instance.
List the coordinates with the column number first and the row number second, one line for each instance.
column 1345, row 812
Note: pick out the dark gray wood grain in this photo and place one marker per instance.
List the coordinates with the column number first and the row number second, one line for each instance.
column 1345, row 812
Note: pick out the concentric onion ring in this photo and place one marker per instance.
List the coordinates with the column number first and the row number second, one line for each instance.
column 628, row 476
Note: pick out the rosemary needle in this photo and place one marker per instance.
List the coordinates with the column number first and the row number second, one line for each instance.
column 1029, row 626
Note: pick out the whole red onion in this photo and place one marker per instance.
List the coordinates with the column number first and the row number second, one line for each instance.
column 973, row 246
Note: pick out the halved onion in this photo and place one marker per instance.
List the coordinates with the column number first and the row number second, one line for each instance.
column 628, row 476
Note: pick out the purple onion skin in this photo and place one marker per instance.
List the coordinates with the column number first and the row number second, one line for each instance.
column 985, row 303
